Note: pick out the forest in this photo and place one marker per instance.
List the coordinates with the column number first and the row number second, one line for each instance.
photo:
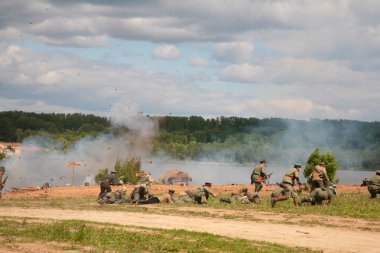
column 355, row 144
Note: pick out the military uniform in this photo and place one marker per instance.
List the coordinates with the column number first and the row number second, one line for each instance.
column 318, row 195
column 2, row 183
column 115, row 197
column 201, row 194
column 139, row 193
column 240, row 196
column 183, row 198
column 288, row 183
column 106, row 182
column 166, row 198
column 317, row 175
column 374, row 185
column 258, row 175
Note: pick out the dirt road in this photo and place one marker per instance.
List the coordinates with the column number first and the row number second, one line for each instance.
column 323, row 238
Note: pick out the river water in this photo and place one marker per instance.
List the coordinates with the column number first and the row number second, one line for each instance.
column 225, row 173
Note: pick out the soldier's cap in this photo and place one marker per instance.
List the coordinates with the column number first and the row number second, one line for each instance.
column 321, row 163
column 262, row 161
column 208, row 183
column 378, row 172
column 114, row 172
column 171, row 191
column 297, row 165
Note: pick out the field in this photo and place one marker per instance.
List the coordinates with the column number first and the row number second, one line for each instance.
column 69, row 219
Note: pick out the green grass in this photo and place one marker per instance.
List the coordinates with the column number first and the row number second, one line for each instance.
column 131, row 239
column 351, row 205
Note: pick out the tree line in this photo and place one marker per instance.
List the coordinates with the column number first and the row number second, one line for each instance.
column 355, row 144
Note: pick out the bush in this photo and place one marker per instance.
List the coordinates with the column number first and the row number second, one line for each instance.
column 128, row 170
column 330, row 163
column 100, row 175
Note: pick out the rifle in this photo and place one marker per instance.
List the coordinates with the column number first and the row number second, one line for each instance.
column 3, row 183
column 267, row 178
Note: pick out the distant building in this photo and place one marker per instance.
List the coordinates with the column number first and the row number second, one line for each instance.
column 176, row 177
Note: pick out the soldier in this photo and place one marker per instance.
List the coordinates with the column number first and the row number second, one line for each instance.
column 166, row 198
column 318, row 175
column 290, row 178
column 374, row 185
column 183, row 198
column 365, row 182
column 2, row 182
column 240, row 196
column 140, row 192
column 318, row 195
column 106, row 182
column 258, row 176
column 280, row 192
column 201, row 194
column 115, row 197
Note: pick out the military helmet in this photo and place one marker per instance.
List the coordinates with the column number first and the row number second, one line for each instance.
column 171, row 191
column 208, row 184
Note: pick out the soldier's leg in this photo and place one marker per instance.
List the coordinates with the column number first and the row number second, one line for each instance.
column 294, row 196
column 275, row 199
column 372, row 191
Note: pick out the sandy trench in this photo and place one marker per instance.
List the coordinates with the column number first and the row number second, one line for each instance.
column 316, row 237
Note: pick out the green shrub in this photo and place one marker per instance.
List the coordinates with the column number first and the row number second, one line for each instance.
column 330, row 163
column 100, row 175
column 128, row 170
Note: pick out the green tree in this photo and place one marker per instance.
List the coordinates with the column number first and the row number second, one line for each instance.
column 128, row 170
column 100, row 175
column 315, row 158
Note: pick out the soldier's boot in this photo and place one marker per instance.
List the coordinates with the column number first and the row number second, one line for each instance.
column 295, row 201
column 273, row 201
column 257, row 198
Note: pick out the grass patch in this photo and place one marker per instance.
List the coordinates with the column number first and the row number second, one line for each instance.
column 350, row 205
column 115, row 239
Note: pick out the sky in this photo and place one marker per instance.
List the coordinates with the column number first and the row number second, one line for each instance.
column 249, row 58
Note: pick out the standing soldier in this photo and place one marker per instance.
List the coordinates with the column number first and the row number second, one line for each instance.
column 288, row 183
column 201, row 194
column 258, row 176
column 2, row 182
column 374, row 185
column 318, row 175
column 106, row 182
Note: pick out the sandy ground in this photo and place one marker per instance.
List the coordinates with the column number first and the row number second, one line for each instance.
column 340, row 234
column 318, row 237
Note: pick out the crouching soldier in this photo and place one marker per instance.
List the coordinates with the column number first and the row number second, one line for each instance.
column 106, row 182
column 318, row 195
column 201, row 194
column 374, row 185
column 115, row 197
column 140, row 192
column 241, row 196
column 288, row 183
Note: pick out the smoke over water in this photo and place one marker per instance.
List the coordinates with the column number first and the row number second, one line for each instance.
column 39, row 163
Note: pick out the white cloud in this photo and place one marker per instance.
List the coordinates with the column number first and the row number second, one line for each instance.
column 235, row 52
column 242, row 73
column 167, row 52
column 199, row 61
